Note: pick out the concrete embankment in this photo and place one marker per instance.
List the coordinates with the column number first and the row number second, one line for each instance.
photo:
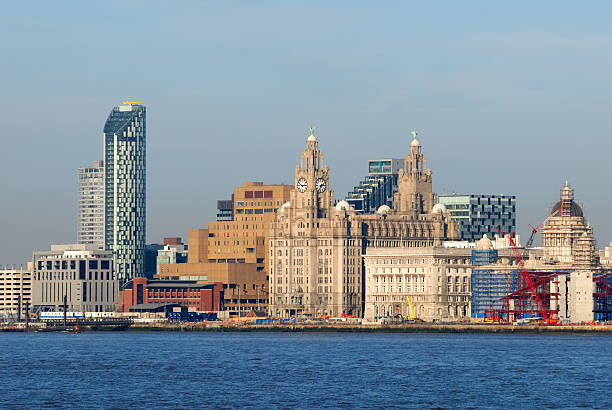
column 367, row 328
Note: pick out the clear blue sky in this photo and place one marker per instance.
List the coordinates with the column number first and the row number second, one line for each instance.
column 510, row 97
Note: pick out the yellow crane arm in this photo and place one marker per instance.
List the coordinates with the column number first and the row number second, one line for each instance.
column 411, row 314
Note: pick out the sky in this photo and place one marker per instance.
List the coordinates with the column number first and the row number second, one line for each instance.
column 509, row 97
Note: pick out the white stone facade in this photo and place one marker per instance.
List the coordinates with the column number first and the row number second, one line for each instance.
column 437, row 279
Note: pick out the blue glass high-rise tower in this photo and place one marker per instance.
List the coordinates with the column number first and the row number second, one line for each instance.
column 125, row 188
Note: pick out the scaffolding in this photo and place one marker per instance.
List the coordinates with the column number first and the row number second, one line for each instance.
column 480, row 257
column 536, row 298
column 602, row 298
column 489, row 288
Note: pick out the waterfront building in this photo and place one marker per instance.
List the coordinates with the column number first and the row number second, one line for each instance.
column 378, row 187
column 316, row 248
column 83, row 274
column 90, row 206
column 480, row 215
column 434, row 279
column 195, row 296
column 174, row 251
column 15, row 291
column 242, row 240
column 125, row 188
column 245, row 284
column 577, row 288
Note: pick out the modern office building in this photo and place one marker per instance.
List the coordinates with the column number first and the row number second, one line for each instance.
column 378, row 186
column 236, row 252
column 84, row 274
column 174, row 251
column 481, row 214
column 90, row 207
column 125, row 188
column 225, row 210
column 15, row 292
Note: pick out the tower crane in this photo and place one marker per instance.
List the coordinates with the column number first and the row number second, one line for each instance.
column 132, row 102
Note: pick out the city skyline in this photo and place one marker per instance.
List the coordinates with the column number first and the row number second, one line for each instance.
column 519, row 111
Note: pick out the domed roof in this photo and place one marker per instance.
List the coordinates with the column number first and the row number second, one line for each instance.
column 383, row 209
column 343, row 206
column 575, row 209
column 484, row 243
column 438, row 209
column 415, row 143
column 312, row 138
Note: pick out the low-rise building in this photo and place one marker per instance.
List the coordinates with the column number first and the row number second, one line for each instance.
column 199, row 297
column 15, row 291
column 82, row 275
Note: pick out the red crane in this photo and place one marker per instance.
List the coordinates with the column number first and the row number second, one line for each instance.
column 530, row 285
column 534, row 230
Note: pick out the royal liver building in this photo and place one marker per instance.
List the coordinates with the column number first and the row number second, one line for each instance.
column 316, row 248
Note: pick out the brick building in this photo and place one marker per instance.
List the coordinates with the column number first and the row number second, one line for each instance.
column 201, row 297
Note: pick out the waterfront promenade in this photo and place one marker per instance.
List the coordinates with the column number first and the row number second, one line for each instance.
column 373, row 328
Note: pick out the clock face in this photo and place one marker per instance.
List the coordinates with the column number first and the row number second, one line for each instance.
column 302, row 185
column 321, row 185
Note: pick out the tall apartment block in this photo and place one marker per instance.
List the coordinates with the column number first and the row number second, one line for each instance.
column 481, row 214
column 125, row 188
column 378, row 186
column 90, row 207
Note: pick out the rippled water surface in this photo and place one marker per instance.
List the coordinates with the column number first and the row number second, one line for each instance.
column 133, row 369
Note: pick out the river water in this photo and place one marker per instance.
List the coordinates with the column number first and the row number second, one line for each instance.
column 305, row 370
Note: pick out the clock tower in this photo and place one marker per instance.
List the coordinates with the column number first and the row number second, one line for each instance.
column 312, row 191
column 315, row 246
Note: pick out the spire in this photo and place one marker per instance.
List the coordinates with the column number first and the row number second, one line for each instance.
column 567, row 193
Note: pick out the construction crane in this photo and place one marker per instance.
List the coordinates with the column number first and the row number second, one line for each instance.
column 411, row 315
column 534, row 230
column 132, row 102
column 531, row 285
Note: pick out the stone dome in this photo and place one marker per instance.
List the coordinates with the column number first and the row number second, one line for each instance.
column 343, row 206
column 575, row 209
column 312, row 138
column 438, row 209
column 415, row 143
column 383, row 210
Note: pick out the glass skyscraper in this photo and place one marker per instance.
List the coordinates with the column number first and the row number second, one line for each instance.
column 125, row 188
column 378, row 186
